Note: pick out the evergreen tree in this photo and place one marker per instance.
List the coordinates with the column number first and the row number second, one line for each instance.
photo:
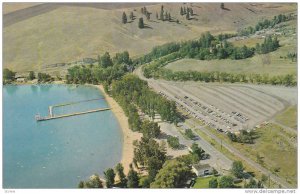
column 133, row 178
column 120, row 171
column 131, row 16
column 166, row 16
column 141, row 23
column 157, row 16
column 31, row 75
column 184, row 10
column 222, row 6
column 162, row 13
column 181, row 11
column 169, row 17
column 191, row 11
column 124, row 18
column 106, row 60
column 188, row 15
column 109, row 177
column 148, row 15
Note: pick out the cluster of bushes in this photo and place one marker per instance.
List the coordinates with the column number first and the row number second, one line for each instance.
column 106, row 71
column 44, row 77
column 173, row 142
column 267, row 46
column 265, row 24
column 8, row 75
column 243, row 137
column 291, row 56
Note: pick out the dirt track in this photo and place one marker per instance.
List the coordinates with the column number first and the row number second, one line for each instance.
column 23, row 14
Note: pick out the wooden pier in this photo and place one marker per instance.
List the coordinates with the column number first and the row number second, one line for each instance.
column 38, row 118
column 52, row 116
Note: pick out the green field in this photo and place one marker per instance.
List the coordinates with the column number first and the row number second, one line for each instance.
column 202, row 182
column 288, row 117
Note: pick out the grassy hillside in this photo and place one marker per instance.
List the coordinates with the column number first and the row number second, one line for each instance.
column 274, row 63
column 69, row 33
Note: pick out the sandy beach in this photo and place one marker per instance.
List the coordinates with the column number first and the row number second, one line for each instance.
column 128, row 135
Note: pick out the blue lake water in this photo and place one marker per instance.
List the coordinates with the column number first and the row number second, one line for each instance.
column 56, row 153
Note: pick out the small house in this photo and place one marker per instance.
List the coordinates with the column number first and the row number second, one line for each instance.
column 202, row 169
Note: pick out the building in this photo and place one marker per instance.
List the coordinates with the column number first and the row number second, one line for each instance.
column 202, row 169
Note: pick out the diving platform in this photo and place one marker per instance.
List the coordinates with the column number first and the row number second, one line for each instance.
column 52, row 116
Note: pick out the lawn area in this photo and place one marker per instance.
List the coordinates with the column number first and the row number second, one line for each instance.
column 202, row 182
column 288, row 117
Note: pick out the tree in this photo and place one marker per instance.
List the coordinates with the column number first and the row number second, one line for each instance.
column 264, row 178
column 253, row 184
column 237, row 169
column 197, row 151
column 162, row 13
column 169, row 17
column 124, row 18
column 213, row 183
column 106, row 60
column 189, row 133
column 122, row 177
column 109, row 177
column 188, row 15
column 31, row 75
column 150, row 129
column 93, row 182
column 8, row 75
column 173, row 142
column 181, row 11
column 81, row 184
column 148, row 15
column 141, row 23
column 166, row 16
column 174, row 174
column 191, row 12
column 156, row 15
column 133, row 178
column 222, row 6
column 184, row 10
column 131, row 16
column 226, row 182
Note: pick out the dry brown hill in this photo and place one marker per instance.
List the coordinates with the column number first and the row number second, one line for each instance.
column 70, row 32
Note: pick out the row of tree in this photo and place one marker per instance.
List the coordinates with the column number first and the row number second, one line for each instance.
column 216, row 76
column 133, row 93
column 265, row 24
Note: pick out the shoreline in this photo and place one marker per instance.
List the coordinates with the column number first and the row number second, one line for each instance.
column 128, row 135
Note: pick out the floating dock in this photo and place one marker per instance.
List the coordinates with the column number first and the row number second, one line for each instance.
column 50, row 117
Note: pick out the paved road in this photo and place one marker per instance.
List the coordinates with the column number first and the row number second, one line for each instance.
column 216, row 160
column 153, row 84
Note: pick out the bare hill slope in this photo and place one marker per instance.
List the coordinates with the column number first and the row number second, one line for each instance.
column 71, row 32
